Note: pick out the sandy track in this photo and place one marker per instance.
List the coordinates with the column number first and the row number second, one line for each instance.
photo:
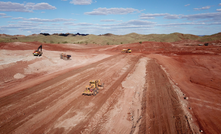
column 162, row 103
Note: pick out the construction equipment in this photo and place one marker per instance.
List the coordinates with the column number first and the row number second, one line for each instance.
column 65, row 56
column 38, row 52
column 93, row 88
column 126, row 51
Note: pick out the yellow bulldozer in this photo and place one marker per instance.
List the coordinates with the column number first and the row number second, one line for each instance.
column 126, row 51
column 93, row 87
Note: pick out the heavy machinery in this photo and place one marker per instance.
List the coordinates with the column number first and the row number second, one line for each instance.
column 38, row 52
column 93, row 87
column 126, row 51
column 65, row 56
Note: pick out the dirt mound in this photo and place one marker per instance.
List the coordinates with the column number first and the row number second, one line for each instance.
column 142, row 46
column 5, row 35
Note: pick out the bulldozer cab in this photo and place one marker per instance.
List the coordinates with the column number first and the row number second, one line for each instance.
column 94, row 83
column 128, row 50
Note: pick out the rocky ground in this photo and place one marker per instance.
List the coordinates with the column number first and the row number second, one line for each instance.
column 158, row 88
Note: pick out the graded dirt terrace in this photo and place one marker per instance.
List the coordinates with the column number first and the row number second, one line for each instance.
column 158, row 88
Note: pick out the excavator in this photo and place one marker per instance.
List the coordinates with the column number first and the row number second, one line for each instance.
column 93, row 87
column 38, row 52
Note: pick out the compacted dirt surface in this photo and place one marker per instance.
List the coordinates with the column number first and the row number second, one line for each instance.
column 158, row 88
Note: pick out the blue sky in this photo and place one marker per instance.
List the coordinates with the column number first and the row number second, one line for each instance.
column 199, row 17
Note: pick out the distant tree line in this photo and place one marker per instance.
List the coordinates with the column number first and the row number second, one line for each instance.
column 64, row 34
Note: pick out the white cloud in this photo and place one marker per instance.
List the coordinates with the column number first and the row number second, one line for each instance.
column 63, row 0
column 213, row 16
column 219, row 10
column 43, row 20
column 166, row 16
column 219, row 4
column 22, row 24
column 202, row 8
column 153, row 15
column 78, row 24
column 17, row 7
column 131, row 23
column 2, row 14
column 6, row 16
column 215, row 23
column 18, row 18
column 43, row 6
column 9, row 6
column 146, row 18
column 108, row 20
column 85, row 24
column 48, row 20
column 172, row 17
column 187, row 5
column 138, row 22
column 178, row 24
column 81, row 2
column 106, row 11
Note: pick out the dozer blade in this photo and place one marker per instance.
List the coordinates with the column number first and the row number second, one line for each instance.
column 87, row 92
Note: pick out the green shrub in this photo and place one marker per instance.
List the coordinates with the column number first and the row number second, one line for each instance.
column 140, row 42
column 65, row 42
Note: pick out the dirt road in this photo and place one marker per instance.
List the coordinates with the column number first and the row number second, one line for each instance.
column 143, row 92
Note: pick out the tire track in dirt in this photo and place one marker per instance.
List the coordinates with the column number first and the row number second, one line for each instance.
column 36, row 105
column 45, row 107
column 121, row 112
column 104, row 98
column 84, row 101
column 24, row 108
column 162, row 110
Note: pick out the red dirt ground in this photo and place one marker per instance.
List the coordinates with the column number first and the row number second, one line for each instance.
column 158, row 88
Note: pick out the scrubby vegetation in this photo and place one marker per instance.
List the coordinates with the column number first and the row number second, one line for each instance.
column 109, row 39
